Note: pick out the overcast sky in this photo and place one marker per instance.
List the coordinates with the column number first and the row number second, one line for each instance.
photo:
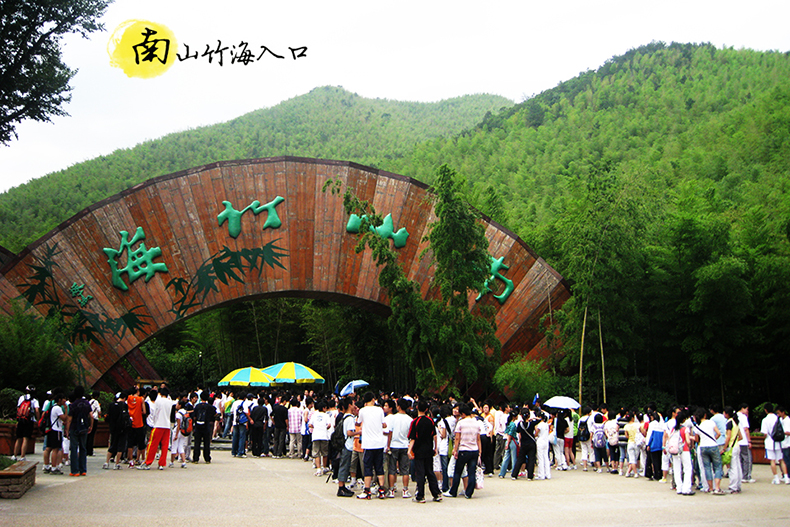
column 417, row 51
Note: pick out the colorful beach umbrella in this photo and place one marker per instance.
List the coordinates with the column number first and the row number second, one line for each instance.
column 293, row 372
column 246, row 377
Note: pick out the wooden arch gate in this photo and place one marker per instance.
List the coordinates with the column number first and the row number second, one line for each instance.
column 129, row 266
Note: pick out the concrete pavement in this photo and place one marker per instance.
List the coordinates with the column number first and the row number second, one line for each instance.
column 284, row 492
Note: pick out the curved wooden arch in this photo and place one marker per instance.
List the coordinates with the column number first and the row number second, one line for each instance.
column 245, row 229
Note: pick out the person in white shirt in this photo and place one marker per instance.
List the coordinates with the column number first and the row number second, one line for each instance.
column 773, row 449
column 542, row 441
column 732, row 443
column 373, row 440
column 161, row 405
column 398, row 446
column 178, row 439
column 707, row 435
column 500, row 423
column 746, row 444
column 54, row 452
column 320, row 424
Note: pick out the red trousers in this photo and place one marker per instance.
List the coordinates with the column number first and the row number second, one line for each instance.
column 159, row 436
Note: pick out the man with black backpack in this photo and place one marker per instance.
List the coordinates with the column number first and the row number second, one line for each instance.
column 343, row 441
column 204, row 415
column 119, row 421
column 774, row 435
column 259, row 415
column 79, row 424
column 27, row 414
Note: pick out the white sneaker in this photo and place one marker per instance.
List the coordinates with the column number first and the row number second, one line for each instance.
column 406, row 493
column 786, row 480
column 106, row 466
column 776, row 481
column 183, row 465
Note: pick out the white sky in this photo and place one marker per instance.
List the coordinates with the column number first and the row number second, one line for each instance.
column 419, row 51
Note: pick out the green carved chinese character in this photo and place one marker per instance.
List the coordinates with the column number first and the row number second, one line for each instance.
column 233, row 216
column 385, row 230
column 76, row 292
column 139, row 262
column 496, row 265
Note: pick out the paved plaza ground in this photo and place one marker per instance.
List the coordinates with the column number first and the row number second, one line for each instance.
column 284, row 492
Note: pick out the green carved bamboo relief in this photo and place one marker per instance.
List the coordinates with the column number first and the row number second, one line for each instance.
column 233, row 216
column 385, row 230
column 139, row 262
column 497, row 264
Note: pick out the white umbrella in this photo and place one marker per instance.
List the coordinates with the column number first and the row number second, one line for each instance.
column 352, row 387
column 560, row 401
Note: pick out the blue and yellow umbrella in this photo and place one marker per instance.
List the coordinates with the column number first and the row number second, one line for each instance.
column 246, row 377
column 293, row 372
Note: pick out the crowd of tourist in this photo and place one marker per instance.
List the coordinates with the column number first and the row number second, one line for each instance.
column 370, row 443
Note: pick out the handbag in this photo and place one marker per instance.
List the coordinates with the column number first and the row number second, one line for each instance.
column 479, row 477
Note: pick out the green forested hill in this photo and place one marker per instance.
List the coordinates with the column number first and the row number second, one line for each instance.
column 672, row 113
column 658, row 186
column 328, row 122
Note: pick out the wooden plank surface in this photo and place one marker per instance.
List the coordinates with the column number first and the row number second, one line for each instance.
column 179, row 214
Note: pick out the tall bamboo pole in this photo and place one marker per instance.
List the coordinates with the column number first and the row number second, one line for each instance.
column 603, row 367
column 581, row 355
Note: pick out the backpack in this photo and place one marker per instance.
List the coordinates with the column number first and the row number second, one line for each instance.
column 200, row 414
column 598, row 437
column 80, row 415
column 25, row 410
column 778, row 432
column 584, row 431
column 186, row 424
column 674, row 443
column 124, row 419
column 241, row 417
column 614, row 437
column 44, row 423
column 338, row 439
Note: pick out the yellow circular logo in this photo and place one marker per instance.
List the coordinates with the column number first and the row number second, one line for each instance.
column 142, row 49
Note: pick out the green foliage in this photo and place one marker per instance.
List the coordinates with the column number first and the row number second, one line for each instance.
column 6, row 462
column 348, row 343
column 520, row 379
column 180, row 367
column 31, row 352
column 8, row 399
column 457, row 240
column 34, row 82
column 223, row 266
column 441, row 337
